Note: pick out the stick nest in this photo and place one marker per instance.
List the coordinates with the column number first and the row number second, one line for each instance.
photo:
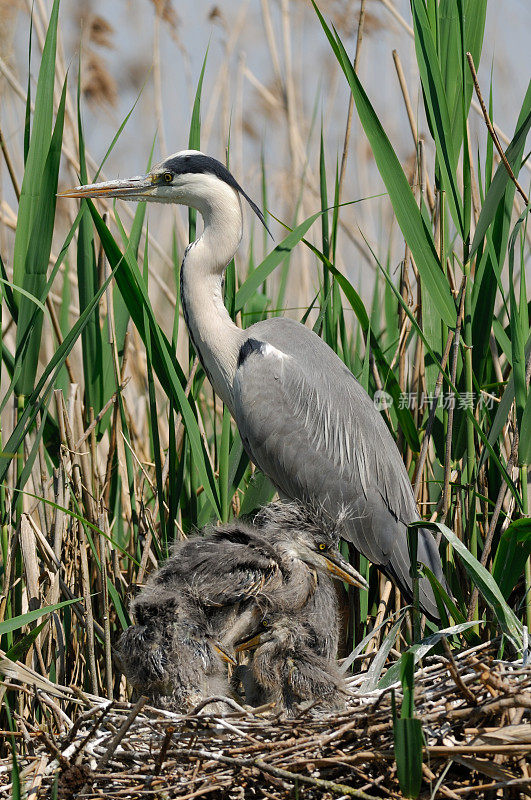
column 475, row 712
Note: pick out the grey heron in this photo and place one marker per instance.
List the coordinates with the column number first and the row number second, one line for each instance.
column 294, row 645
column 171, row 654
column 287, row 666
column 215, row 590
column 304, row 419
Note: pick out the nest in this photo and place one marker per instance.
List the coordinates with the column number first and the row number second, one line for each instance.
column 475, row 713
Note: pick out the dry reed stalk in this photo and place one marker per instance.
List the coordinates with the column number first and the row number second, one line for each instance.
column 438, row 386
column 411, row 119
column 82, row 543
column 82, row 456
column 221, row 87
column 157, row 84
column 346, row 139
column 449, row 430
column 382, row 611
column 102, row 523
column 492, row 131
column 513, row 458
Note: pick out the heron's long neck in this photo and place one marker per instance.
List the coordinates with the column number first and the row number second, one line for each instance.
column 215, row 336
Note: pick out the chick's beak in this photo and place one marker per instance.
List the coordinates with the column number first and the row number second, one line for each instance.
column 225, row 655
column 249, row 643
column 139, row 188
column 340, row 568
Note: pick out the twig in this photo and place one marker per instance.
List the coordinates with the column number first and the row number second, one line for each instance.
column 163, row 750
column 115, row 741
column 95, row 422
column 9, row 165
column 491, row 130
column 454, row 672
column 351, row 101
column 277, row 772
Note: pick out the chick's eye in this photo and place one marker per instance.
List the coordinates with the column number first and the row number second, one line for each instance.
column 168, row 177
column 265, row 623
column 322, row 546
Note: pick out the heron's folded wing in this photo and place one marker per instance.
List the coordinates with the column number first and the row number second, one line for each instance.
column 310, row 426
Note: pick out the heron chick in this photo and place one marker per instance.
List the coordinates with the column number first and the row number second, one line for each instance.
column 215, row 590
column 288, row 666
column 294, row 646
column 171, row 654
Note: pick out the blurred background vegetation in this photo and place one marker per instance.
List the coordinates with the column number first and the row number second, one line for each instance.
column 113, row 443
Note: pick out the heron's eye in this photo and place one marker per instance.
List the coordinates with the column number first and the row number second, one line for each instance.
column 167, row 177
column 265, row 623
column 322, row 546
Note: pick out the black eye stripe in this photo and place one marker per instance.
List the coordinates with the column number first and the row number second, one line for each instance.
column 198, row 163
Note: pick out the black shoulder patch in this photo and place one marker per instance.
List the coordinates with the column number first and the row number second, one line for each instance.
column 248, row 347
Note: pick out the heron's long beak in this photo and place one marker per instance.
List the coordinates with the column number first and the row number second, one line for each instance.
column 340, row 568
column 225, row 655
column 139, row 188
column 248, row 643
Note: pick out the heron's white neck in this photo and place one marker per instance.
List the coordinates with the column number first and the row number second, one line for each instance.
column 215, row 336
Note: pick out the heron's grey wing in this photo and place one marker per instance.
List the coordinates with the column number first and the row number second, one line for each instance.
column 309, row 425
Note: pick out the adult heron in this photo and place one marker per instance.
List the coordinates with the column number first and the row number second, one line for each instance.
column 304, row 419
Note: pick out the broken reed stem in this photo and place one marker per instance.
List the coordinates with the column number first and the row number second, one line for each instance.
column 491, row 130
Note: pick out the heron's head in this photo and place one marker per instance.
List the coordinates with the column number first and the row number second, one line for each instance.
column 189, row 178
column 321, row 551
column 309, row 535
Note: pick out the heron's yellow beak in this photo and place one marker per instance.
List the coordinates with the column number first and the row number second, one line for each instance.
column 225, row 655
column 340, row 568
column 137, row 188
column 248, row 644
